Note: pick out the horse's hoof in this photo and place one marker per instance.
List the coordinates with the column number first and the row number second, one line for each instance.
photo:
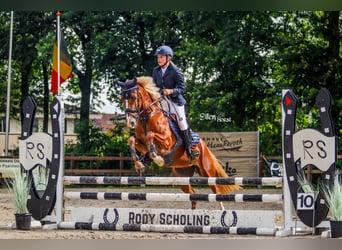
column 139, row 167
column 159, row 161
column 140, row 171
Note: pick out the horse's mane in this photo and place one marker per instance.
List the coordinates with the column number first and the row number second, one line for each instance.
column 147, row 83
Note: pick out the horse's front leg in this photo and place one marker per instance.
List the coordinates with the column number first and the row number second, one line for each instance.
column 153, row 150
column 138, row 165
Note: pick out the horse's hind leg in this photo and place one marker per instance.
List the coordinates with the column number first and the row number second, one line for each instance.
column 189, row 190
column 216, row 190
column 186, row 172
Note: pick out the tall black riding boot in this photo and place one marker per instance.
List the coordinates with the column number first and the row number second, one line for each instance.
column 192, row 152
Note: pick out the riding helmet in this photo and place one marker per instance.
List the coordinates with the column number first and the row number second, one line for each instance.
column 164, row 50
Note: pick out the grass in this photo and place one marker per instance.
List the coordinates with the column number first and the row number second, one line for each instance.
column 333, row 197
column 305, row 184
column 19, row 189
column 41, row 177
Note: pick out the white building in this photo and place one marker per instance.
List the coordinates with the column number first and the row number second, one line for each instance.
column 104, row 121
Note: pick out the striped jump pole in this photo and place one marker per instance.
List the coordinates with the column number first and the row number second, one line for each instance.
column 167, row 228
column 240, row 222
column 114, row 180
column 267, row 198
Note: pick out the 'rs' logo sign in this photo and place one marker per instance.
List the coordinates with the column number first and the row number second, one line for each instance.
column 312, row 147
column 36, row 149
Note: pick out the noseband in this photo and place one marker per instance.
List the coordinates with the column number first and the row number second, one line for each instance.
column 127, row 94
column 136, row 112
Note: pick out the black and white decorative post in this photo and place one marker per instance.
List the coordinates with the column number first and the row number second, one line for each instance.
column 42, row 149
column 308, row 147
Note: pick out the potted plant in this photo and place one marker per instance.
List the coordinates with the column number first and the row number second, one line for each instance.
column 305, row 184
column 19, row 188
column 333, row 197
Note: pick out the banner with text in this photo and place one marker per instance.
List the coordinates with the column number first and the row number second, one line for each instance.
column 238, row 151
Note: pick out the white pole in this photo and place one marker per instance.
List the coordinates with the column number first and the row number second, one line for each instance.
column 60, row 189
column 287, row 200
column 9, row 87
column 58, row 52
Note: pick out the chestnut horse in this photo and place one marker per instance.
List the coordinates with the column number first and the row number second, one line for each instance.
column 157, row 141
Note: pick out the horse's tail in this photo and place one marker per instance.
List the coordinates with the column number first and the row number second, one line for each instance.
column 218, row 166
column 224, row 189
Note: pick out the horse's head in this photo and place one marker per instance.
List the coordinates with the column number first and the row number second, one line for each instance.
column 130, row 99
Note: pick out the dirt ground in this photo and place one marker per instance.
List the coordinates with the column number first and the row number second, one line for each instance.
column 8, row 231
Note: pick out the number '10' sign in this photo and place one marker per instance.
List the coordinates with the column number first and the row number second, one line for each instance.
column 305, row 201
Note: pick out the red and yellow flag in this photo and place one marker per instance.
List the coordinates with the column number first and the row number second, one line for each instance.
column 65, row 64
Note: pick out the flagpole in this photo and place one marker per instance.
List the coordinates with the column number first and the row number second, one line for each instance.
column 58, row 52
column 9, row 86
column 59, row 189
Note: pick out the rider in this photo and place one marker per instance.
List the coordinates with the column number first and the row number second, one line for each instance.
column 170, row 80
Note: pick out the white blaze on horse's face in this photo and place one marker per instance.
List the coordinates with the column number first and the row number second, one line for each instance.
column 132, row 109
column 131, row 121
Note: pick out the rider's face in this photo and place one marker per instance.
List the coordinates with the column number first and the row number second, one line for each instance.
column 162, row 60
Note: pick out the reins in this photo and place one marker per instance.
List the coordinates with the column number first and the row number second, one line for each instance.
column 151, row 104
column 137, row 110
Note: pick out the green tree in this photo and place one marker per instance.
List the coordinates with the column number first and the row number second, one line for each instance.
column 28, row 30
column 88, row 37
column 228, row 62
column 236, row 63
column 307, row 58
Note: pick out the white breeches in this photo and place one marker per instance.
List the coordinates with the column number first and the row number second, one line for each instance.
column 179, row 111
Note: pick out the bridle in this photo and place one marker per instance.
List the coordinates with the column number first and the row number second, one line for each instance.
column 137, row 112
column 126, row 94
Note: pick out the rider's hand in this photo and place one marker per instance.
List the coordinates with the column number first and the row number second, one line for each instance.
column 167, row 91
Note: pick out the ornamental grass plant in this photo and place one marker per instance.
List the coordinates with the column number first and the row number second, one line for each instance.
column 41, row 177
column 305, row 184
column 19, row 188
column 333, row 197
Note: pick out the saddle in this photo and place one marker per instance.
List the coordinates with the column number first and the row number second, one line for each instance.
column 172, row 118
